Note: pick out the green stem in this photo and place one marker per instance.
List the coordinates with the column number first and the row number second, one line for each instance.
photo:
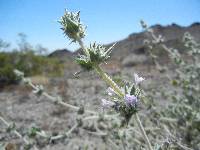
column 118, row 91
column 108, row 80
column 83, row 47
column 143, row 131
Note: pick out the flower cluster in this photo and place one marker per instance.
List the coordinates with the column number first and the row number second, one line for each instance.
column 130, row 100
column 183, row 98
column 72, row 26
column 95, row 54
column 128, row 105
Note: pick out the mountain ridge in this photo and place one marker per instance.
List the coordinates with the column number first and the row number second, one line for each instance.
column 134, row 42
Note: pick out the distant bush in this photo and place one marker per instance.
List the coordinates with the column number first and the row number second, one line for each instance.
column 30, row 63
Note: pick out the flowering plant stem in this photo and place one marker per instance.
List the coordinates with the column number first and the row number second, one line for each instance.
column 118, row 91
column 108, row 80
column 143, row 131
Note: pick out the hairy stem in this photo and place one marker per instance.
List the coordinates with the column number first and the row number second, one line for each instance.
column 80, row 42
column 55, row 99
column 108, row 80
column 17, row 133
column 65, row 134
column 143, row 131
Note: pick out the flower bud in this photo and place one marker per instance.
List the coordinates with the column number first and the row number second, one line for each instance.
column 72, row 26
column 84, row 62
column 97, row 54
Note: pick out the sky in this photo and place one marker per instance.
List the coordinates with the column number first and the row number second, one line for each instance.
column 107, row 20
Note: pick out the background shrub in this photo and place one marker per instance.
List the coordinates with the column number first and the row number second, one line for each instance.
column 30, row 63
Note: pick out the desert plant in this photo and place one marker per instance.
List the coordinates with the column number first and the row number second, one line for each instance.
column 182, row 113
column 126, row 99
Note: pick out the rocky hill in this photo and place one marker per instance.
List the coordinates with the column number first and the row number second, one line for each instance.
column 172, row 34
column 132, row 47
column 62, row 54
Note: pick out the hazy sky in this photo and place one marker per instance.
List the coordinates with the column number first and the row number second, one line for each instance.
column 107, row 20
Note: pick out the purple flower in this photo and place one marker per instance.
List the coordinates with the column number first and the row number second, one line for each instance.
column 107, row 104
column 138, row 79
column 130, row 100
column 110, row 91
